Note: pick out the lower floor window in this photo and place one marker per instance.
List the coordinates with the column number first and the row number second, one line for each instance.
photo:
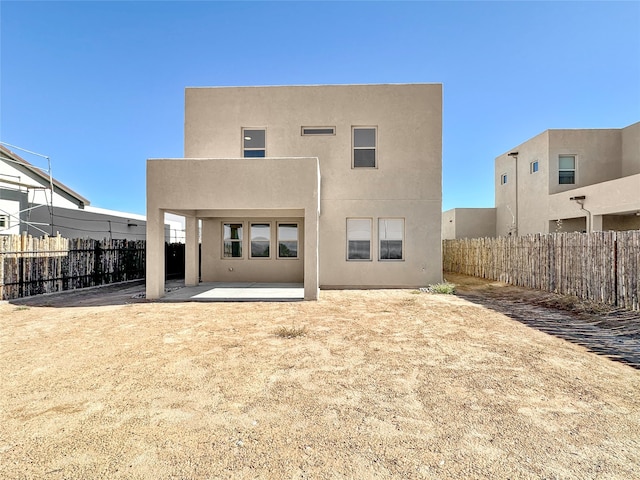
column 232, row 240
column 288, row 240
column 260, row 240
column 358, row 239
column 391, row 238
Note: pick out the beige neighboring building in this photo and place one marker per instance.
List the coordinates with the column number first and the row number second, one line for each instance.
column 468, row 223
column 570, row 180
column 331, row 186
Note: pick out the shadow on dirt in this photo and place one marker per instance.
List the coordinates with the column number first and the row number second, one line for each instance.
column 613, row 333
column 114, row 294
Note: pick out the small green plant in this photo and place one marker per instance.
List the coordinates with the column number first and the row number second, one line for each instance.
column 17, row 309
column 291, row 332
column 445, row 288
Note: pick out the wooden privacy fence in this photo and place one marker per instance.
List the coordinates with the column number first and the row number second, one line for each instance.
column 30, row 266
column 601, row 266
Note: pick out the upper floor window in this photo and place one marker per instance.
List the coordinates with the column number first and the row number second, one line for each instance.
column 254, row 142
column 358, row 239
column 533, row 166
column 4, row 222
column 567, row 169
column 364, row 147
column 503, row 179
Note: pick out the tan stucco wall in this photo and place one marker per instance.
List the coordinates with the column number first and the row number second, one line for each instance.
column 468, row 223
column 405, row 184
column 631, row 149
column 528, row 210
column 598, row 156
column 605, row 198
column 448, row 224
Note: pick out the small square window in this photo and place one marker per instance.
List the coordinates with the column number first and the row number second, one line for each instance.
column 254, row 143
column 533, row 166
column 364, row 147
column 232, row 240
column 503, row 179
column 4, row 221
column 287, row 240
column 358, row 239
column 391, row 238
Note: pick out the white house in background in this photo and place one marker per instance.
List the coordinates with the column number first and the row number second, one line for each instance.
column 32, row 202
column 562, row 180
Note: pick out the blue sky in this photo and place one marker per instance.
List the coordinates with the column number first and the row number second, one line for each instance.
column 99, row 86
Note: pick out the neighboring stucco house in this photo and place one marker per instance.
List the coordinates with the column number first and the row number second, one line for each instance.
column 334, row 186
column 561, row 181
column 570, row 180
column 34, row 203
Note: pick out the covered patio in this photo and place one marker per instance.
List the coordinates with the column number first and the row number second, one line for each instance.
column 276, row 190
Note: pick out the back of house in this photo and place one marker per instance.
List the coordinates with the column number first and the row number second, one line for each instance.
column 335, row 186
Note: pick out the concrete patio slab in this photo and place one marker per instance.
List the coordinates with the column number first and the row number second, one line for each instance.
column 237, row 292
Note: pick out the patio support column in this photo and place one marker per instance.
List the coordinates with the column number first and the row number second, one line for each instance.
column 192, row 254
column 155, row 253
column 311, row 270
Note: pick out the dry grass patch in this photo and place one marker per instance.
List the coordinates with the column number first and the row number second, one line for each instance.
column 290, row 332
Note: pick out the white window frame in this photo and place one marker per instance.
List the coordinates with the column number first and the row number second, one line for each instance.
column 534, row 167
column 239, row 241
column 574, row 169
column 251, row 240
column 244, row 137
column 380, row 239
column 278, row 225
column 314, row 131
column 354, row 148
column 354, row 219
column 503, row 179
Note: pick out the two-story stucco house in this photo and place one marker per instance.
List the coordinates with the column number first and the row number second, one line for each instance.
column 570, row 180
column 332, row 186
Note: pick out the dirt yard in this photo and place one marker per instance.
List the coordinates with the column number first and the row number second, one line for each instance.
column 383, row 384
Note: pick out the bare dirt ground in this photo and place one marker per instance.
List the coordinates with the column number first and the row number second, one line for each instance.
column 384, row 384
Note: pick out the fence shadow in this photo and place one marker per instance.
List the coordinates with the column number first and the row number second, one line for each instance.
column 615, row 338
column 104, row 295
